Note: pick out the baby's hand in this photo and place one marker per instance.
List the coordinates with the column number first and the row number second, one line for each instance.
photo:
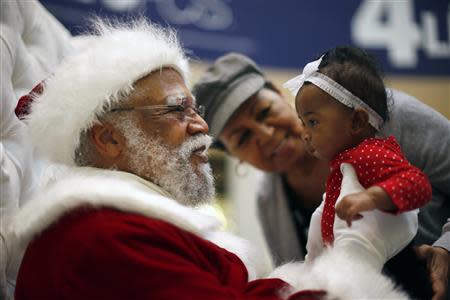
column 350, row 207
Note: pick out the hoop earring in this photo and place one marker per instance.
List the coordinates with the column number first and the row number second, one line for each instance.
column 240, row 169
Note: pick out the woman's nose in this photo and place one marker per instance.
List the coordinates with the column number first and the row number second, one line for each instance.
column 265, row 133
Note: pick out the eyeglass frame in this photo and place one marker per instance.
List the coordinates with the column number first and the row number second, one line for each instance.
column 165, row 108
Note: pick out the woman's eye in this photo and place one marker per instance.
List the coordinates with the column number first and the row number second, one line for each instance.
column 244, row 138
column 263, row 113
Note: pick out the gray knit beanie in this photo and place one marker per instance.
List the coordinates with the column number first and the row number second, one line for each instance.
column 228, row 83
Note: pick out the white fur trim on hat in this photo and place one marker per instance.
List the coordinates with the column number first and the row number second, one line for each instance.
column 95, row 77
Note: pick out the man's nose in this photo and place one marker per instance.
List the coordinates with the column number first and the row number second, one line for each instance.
column 197, row 125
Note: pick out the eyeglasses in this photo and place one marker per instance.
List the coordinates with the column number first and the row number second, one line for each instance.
column 180, row 110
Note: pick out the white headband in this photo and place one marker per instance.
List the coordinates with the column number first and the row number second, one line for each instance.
column 334, row 89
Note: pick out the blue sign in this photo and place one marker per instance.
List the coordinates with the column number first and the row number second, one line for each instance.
column 409, row 37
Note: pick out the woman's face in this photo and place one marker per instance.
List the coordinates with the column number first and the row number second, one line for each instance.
column 265, row 132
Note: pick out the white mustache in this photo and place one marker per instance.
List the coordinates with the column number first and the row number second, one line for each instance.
column 194, row 143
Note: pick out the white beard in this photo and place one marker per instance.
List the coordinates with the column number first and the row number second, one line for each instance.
column 171, row 169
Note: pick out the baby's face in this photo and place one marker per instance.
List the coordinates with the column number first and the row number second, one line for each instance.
column 327, row 123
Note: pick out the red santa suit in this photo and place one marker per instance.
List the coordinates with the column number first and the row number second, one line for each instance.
column 102, row 234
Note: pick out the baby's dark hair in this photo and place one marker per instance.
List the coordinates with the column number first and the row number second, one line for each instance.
column 360, row 73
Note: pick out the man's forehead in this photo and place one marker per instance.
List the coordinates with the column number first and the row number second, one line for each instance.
column 165, row 87
column 179, row 98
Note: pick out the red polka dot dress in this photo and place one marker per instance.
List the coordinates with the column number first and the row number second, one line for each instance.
column 377, row 162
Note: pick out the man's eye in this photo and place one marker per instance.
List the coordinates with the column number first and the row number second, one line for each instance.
column 244, row 138
column 175, row 108
column 179, row 108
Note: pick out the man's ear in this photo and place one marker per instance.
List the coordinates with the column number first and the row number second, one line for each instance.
column 360, row 120
column 107, row 140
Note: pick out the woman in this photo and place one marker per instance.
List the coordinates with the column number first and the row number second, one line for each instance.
column 251, row 120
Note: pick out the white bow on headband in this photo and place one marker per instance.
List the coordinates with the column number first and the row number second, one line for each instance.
column 295, row 84
column 334, row 89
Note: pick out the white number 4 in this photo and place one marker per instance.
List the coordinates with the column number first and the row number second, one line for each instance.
column 390, row 25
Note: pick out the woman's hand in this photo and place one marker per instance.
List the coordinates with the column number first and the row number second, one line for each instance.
column 438, row 261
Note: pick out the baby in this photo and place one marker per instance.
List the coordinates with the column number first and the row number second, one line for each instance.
column 342, row 103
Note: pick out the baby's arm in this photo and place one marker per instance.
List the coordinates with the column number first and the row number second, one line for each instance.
column 394, row 185
column 379, row 236
column 408, row 188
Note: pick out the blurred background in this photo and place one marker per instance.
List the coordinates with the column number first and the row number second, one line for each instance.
column 410, row 38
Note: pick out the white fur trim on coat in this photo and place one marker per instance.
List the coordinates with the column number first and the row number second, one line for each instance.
column 341, row 276
column 71, row 187
column 95, row 77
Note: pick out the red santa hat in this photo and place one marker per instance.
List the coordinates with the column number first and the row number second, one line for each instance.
column 93, row 79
